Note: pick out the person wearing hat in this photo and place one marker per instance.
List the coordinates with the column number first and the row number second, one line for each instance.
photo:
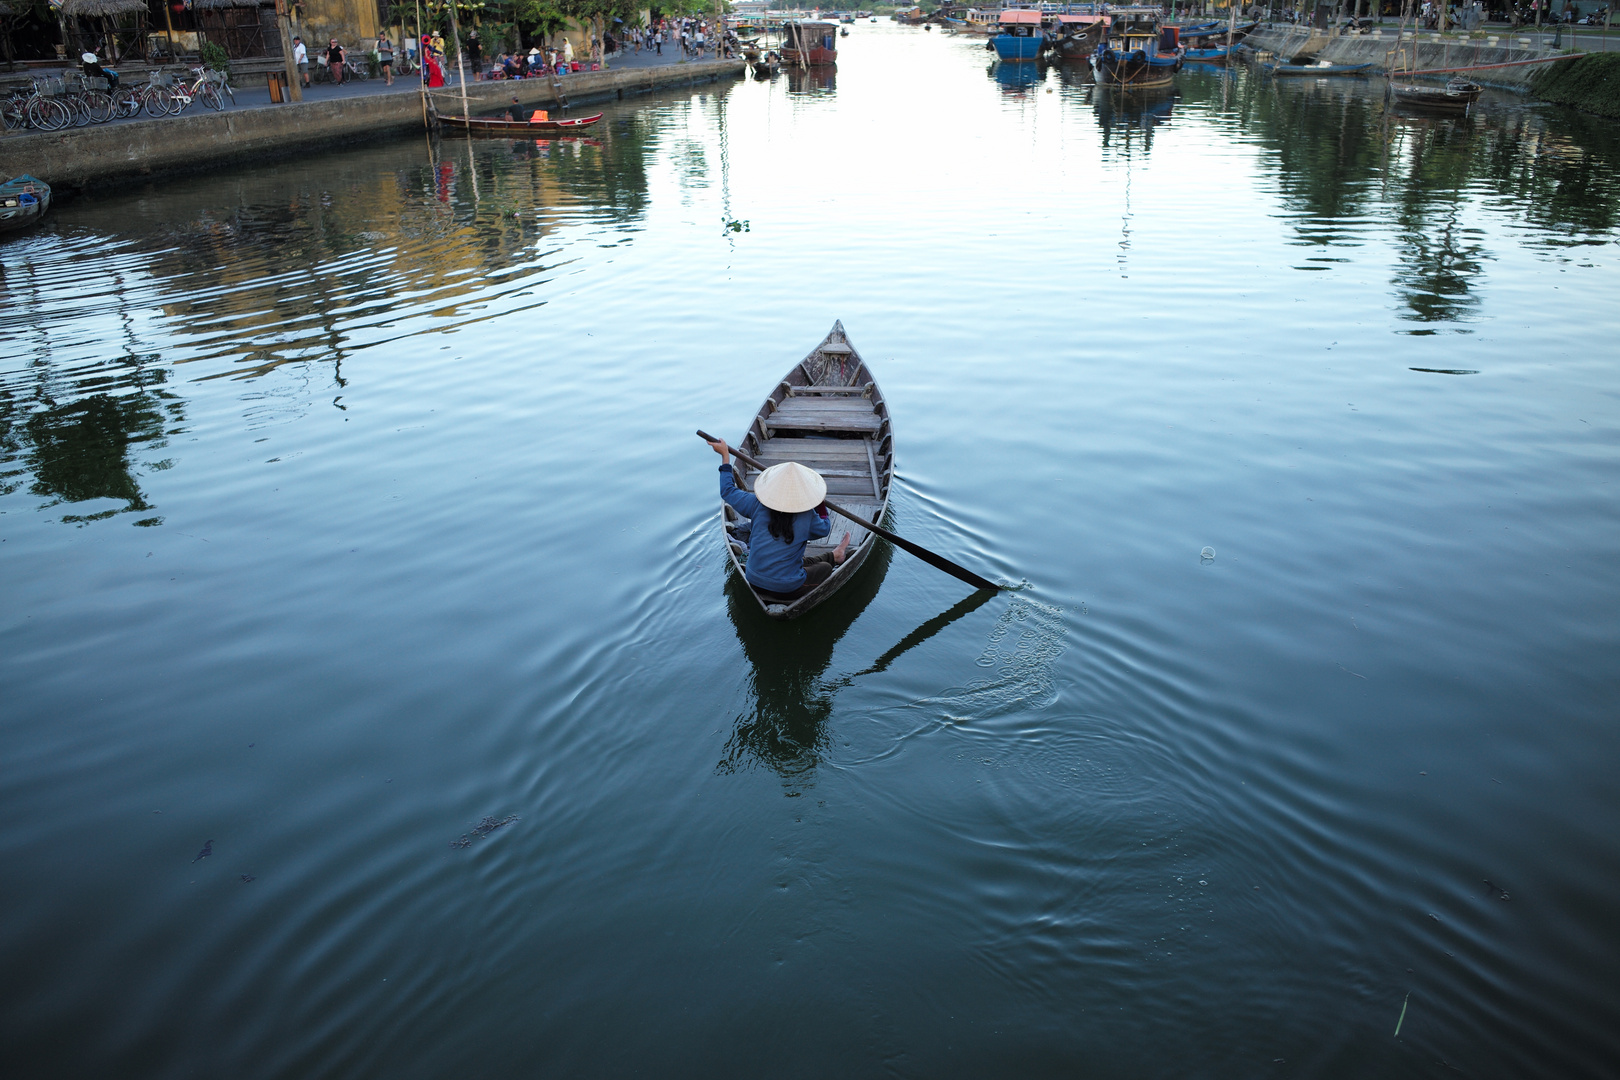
column 785, row 512
column 93, row 69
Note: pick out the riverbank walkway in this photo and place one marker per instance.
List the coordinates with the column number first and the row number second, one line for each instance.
column 142, row 149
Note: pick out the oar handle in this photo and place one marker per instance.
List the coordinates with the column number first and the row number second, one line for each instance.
column 939, row 561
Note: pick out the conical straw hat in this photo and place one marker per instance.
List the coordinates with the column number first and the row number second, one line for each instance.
column 790, row 487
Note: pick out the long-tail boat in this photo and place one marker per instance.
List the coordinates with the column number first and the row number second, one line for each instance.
column 827, row 414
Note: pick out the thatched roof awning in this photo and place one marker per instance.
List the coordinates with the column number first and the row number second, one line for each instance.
column 94, row 8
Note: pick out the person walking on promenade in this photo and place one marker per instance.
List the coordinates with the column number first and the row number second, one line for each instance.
column 475, row 52
column 334, row 61
column 301, row 58
column 385, row 58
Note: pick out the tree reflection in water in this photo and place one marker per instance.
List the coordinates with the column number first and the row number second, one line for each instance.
column 786, row 729
column 77, row 442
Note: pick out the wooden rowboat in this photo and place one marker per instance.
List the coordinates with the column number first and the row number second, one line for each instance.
column 827, row 414
column 1457, row 96
column 23, row 201
column 518, row 129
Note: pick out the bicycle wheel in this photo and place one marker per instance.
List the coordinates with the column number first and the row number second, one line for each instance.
column 126, row 102
column 98, row 106
column 78, row 115
column 208, row 94
column 179, row 101
column 155, row 100
column 48, row 114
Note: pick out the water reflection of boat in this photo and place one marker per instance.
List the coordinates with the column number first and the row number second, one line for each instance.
column 23, row 201
column 1138, row 53
column 793, row 698
column 1017, row 78
column 1132, row 111
column 827, row 414
column 806, row 80
column 1457, row 96
column 1021, row 36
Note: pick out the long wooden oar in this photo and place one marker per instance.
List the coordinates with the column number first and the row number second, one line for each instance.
column 939, row 562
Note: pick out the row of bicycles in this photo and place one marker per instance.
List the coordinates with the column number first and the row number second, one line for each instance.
column 76, row 100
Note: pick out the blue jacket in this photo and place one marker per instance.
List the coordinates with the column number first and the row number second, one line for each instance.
column 773, row 565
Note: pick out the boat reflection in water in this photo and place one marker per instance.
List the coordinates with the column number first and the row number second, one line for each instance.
column 1125, row 112
column 786, row 728
column 1017, row 79
column 812, row 79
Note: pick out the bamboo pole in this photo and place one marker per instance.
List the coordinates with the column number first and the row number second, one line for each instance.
column 461, row 67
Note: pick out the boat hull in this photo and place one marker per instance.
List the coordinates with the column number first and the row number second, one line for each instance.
column 1009, row 47
column 1452, row 99
column 23, row 201
column 828, row 414
column 1136, row 70
column 519, row 129
column 817, row 57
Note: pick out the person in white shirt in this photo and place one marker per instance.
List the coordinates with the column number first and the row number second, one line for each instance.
column 301, row 58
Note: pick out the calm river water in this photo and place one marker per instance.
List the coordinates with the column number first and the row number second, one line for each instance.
column 376, row 703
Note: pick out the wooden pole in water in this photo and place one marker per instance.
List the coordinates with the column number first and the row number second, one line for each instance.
column 461, row 67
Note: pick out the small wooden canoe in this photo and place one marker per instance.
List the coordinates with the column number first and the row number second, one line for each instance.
column 518, row 129
column 827, row 414
column 1457, row 96
column 23, row 201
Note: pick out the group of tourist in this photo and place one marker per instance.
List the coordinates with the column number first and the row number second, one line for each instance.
column 696, row 38
column 336, row 57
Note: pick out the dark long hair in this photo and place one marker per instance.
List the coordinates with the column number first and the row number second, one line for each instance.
column 782, row 525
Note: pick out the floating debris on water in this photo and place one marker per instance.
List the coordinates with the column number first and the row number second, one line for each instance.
column 1402, row 1020
column 483, row 828
column 1501, row 893
column 1208, row 554
column 247, row 878
column 207, row 850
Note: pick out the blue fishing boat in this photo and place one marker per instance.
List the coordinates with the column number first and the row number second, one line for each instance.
column 1021, row 36
column 1138, row 53
column 23, row 201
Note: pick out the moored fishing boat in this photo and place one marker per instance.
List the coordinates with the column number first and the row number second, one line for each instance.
column 23, row 201
column 827, row 414
column 1457, row 96
column 806, row 43
column 518, row 129
column 1138, row 53
column 1077, row 36
column 1020, row 36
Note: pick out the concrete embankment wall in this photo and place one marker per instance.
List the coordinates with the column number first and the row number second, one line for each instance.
column 1305, row 45
column 141, row 150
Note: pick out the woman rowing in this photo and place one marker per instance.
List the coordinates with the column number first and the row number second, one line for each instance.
column 786, row 512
